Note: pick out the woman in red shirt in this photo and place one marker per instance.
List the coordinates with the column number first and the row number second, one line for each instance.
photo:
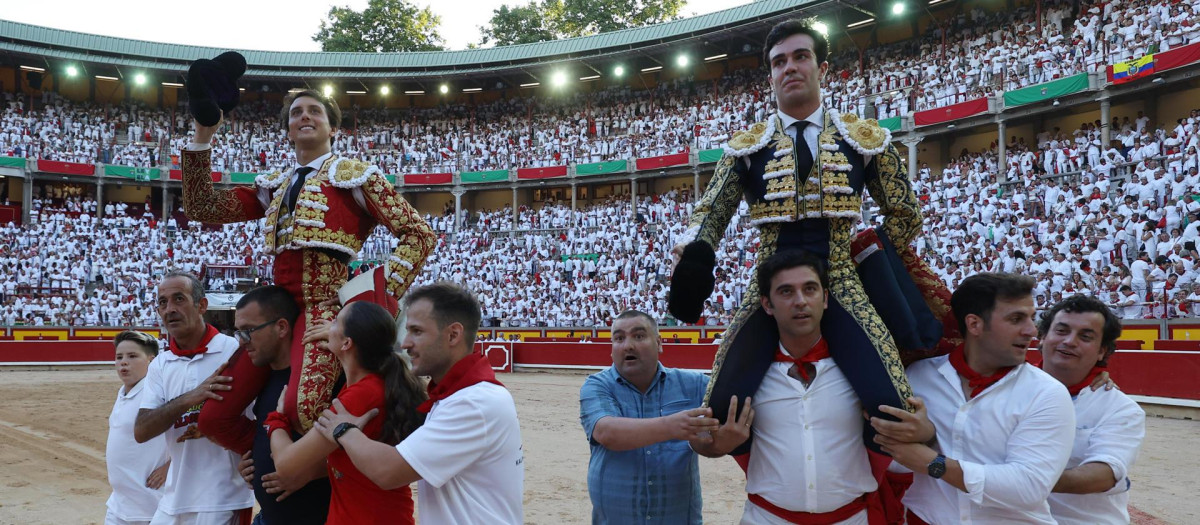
column 362, row 338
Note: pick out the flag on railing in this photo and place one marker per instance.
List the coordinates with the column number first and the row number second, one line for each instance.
column 1133, row 69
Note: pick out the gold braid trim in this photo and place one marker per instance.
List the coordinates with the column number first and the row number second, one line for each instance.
column 847, row 289
column 417, row 239
column 202, row 201
column 897, row 201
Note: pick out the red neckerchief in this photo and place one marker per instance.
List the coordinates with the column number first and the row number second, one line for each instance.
column 210, row 333
column 977, row 381
column 468, row 371
column 818, row 352
column 1076, row 388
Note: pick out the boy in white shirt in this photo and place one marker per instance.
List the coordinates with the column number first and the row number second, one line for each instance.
column 136, row 471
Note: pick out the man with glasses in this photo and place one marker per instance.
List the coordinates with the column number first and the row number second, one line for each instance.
column 265, row 319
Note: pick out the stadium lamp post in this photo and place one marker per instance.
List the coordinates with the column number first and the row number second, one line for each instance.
column 1002, row 150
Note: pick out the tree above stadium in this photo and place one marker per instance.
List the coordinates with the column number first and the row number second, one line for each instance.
column 384, row 26
column 554, row 19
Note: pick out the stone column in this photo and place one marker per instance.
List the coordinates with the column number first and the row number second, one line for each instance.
column 458, row 193
column 633, row 196
column 516, row 216
column 1002, row 149
column 26, row 197
column 911, row 144
column 1105, row 123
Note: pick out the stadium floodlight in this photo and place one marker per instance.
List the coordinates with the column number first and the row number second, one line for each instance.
column 531, row 84
column 898, row 8
column 102, row 77
column 651, row 69
column 172, row 84
column 384, row 90
column 682, row 60
column 444, row 89
column 72, row 71
column 34, row 69
column 716, row 57
column 139, row 79
column 822, row 28
column 328, row 90
column 559, row 79
column 354, row 92
column 861, row 23
column 472, row 90
column 619, row 71
column 415, row 92
column 589, row 78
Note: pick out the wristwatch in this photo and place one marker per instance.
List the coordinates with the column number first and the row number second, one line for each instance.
column 936, row 468
column 341, row 430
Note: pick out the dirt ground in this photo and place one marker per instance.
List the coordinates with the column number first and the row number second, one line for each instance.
column 53, row 427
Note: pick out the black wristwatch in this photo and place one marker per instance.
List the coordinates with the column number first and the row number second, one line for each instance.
column 936, row 468
column 341, row 430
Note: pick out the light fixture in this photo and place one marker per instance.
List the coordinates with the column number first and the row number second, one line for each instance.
column 172, row 84
column 861, row 23
column 72, row 71
column 950, row 126
column 1157, row 80
column 1056, row 102
column 472, row 90
column 715, row 57
column 295, row 90
column 328, row 90
column 241, row 89
column 531, row 84
column 559, row 79
column 619, row 71
column 415, row 92
column 649, row 69
column 898, row 8
column 384, row 90
column 682, row 60
column 444, row 89
column 356, row 92
column 585, row 79
column 34, row 69
column 102, row 77
column 822, row 28
column 139, row 79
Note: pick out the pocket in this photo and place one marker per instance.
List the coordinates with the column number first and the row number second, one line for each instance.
column 1080, row 446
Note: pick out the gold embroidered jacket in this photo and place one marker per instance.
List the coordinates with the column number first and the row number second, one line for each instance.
column 326, row 214
column 777, row 194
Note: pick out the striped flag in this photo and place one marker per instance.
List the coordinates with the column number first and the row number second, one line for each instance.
column 1133, row 69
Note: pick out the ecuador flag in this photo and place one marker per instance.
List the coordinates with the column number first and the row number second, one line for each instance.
column 1134, row 69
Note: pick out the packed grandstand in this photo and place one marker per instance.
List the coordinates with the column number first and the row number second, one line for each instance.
column 1087, row 188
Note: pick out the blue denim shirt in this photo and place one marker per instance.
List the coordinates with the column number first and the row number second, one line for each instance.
column 659, row 483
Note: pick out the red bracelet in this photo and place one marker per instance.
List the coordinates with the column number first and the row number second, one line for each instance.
column 277, row 421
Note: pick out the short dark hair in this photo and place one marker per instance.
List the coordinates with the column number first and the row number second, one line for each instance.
column 786, row 260
column 1078, row 304
column 631, row 314
column 146, row 341
column 795, row 26
column 978, row 294
column 274, row 300
column 451, row 303
column 332, row 111
column 196, row 285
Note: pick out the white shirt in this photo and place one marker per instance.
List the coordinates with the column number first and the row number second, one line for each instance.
column 203, row 476
column 807, row 454
column 1012, row 440
column 470, row 459
column 130, row 462
column 1109, row 428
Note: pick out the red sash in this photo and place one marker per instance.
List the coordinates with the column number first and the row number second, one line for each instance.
column 812, row 518
column 818, row 352
column 978, row 382
column 209, row 333
column 472, row 369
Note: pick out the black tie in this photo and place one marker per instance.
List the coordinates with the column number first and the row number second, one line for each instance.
column 803, row 154
column 298, row 184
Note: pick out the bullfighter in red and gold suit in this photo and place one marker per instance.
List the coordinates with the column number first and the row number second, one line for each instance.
column 318, row 215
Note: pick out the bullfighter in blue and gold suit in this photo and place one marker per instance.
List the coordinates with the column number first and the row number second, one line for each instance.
column 805, row 191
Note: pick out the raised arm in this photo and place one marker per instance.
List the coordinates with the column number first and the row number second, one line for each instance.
column 417, row 239
column 201, row 200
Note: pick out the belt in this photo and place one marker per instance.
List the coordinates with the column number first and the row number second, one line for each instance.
column 844, row 513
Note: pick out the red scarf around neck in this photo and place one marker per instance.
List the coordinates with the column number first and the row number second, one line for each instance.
column 209, row 333
column 472, row 369
column 978, row 382
column 1076, row 388
column 818, row 352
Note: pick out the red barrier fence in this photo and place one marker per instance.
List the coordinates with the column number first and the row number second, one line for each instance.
column 1159, row 373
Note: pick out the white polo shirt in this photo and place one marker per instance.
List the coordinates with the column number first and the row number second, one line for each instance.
column 203, row 476
column 469, row 456
column 1109, row 428
column 130, row 462
column 807, row 454
column 1012, row 440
